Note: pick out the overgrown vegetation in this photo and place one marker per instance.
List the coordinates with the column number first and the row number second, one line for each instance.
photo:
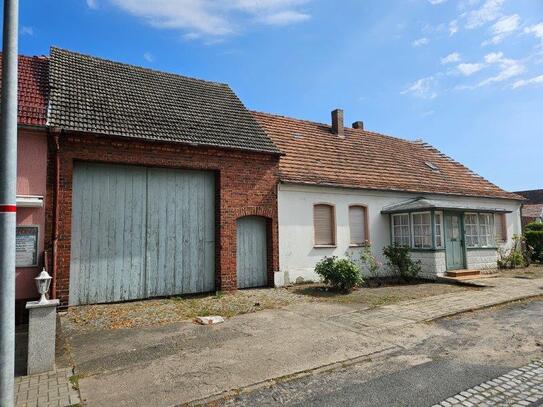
column 513, row 257
column 341, row 274
column 370, row 264
column 534, row 240
column 400, row 262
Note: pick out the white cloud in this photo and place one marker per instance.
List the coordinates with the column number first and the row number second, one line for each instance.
column 27, row 30
column 92, row 4
column 449, row 59
column 435, row 2
column 504, row 27
column 509, row 68
column 490, row 11
column 536, row 30
column 420, row 42
column 423, row 88
column 216, row 18
column 453, row 27
column 284, row 18
column 148, row 57
column 469, row 69
column 525, row 82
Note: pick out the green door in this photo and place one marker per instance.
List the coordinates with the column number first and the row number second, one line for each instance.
column 454, row 243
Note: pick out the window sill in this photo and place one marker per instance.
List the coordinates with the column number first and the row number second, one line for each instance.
column 324, row 246
column 482, row 248
column 426, row 249
column 355, row 245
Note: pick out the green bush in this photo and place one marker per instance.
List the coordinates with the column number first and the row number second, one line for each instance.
column 534, row 240
column 400, row 262
column 514, row 257
column 342, row 274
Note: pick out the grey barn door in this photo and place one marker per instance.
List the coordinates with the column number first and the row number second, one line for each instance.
column 140, row 232
column 251, row 252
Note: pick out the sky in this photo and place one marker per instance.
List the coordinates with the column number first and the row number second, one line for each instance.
column 463, row 75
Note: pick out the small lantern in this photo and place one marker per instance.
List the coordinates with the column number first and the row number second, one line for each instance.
column 43, row 281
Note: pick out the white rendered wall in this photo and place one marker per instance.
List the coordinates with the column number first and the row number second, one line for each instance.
column 297, row 254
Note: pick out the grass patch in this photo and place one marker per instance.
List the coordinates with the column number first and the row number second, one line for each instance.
column 74, row 381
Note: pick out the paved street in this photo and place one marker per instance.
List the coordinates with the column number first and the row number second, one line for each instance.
column 183, row 362
column 451, row 357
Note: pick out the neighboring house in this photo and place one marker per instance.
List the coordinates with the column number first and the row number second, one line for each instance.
column 341, row 189
column 157, row 184
column 31, row 175
column 532, row 210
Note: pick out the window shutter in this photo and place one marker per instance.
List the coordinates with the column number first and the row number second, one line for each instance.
column 324, row 225
column 357, row 224
column 501, row 227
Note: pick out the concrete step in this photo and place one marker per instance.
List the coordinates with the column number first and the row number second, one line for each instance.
column 462, row 273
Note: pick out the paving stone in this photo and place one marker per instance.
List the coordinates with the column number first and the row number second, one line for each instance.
column 50, row 389
column 519, row 387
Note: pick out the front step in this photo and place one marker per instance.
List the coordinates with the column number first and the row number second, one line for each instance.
column 462, row 273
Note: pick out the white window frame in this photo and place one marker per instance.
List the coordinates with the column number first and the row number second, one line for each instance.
column 412, row 229
column 476, row 224
column 408, row 227
column 440, row 224
column 490, row 235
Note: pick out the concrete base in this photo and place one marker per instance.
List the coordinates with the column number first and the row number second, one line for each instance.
column 41, row 336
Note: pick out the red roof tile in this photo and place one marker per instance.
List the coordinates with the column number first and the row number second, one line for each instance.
column 33, row 90
column 368, row 160
column 532, row 211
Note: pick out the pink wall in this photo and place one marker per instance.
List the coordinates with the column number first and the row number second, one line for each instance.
column 31, row 180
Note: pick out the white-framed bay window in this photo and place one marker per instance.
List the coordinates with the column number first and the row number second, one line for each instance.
column 422, row 230
column 401, row 234
column 479, row 230
column 438, row 228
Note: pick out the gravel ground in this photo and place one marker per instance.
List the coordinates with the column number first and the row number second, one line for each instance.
column 174, row 309
column 168, row 310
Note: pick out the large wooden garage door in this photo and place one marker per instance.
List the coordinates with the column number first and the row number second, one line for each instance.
column 140, row 232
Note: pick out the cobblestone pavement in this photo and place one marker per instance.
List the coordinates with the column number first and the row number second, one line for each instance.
column 498, row 290
column 52, row 389
column 520, row 387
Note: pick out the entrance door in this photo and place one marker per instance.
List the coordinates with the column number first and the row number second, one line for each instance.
column 454, row 243
column 251, row 252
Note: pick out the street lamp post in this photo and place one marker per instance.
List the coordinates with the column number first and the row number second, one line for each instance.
column 8, row 176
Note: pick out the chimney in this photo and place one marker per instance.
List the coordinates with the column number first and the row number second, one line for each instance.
column 358, row 125
column 337, row 122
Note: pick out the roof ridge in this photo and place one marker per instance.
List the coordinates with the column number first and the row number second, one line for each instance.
column 350, row 129
column 141, row 68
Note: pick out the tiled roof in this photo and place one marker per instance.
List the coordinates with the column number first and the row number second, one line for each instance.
column 532, row 211
column 94, row 95
column 368, row 160
column 533, row 196
column 33, row 87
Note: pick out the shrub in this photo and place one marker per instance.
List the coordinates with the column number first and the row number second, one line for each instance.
column 534, row 240
column 370, row 262
column 342, row 274
column 400, row 262
column 514, row 257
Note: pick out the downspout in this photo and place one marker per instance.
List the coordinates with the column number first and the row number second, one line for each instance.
column 56, row 181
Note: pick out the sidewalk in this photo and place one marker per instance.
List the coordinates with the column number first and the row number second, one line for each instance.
column 184, row 362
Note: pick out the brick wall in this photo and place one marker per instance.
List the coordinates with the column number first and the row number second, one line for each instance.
column 246, row 185
column 480, row 259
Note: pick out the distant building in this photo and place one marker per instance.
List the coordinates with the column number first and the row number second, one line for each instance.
column 533, row 208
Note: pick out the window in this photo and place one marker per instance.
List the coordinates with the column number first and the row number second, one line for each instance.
column 438, row 218
column 471, row 225
column 324, row 224
column 422, row 230
column 486, row 230
column 500, row 226
column 400, row 230
column 358, row 225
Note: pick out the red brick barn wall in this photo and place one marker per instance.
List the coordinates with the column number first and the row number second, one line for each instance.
column 246, row 185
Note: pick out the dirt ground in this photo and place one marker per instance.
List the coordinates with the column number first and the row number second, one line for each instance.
column 386, row 294
column 531, row 272
column 169, row 310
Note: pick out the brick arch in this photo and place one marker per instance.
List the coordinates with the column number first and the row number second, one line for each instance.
column 254, row 211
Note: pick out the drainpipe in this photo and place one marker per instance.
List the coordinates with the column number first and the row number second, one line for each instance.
column 8, row 181
column 55, row 133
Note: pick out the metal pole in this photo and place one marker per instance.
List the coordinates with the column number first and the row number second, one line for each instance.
column 8, row 177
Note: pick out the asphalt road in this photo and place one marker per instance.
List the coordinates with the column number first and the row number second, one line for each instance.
column 452, row 355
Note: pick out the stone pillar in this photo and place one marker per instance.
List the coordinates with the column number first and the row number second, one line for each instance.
column 41, row 336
